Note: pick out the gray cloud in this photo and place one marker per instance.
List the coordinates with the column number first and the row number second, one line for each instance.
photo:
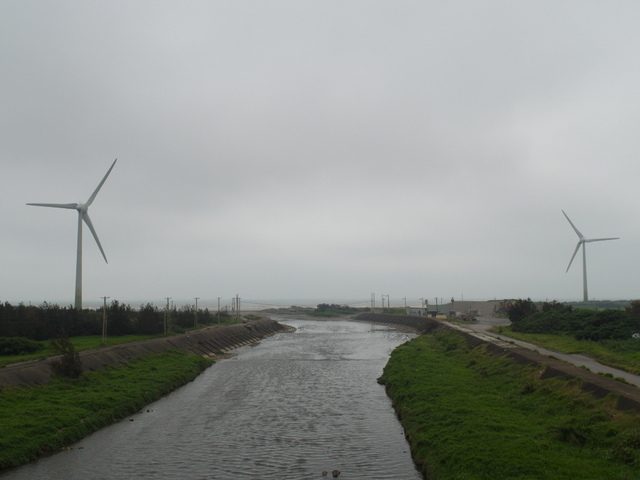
column 319, row 149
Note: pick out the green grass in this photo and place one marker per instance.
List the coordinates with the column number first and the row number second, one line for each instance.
column 621, row 354
column 40, row 420
column 473, row 416
column 89, row 342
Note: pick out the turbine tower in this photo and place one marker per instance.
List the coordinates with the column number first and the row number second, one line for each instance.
column 581, row 242
column 83, row 216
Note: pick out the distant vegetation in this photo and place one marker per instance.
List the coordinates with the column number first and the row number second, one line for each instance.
column 26, row 331
column 601, row 304
column 334, row 310
column 583, row 324
column 46, row 321
column 607, row 335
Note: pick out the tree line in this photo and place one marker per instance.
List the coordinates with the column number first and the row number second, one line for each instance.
column 583, row 324
column 46, row 321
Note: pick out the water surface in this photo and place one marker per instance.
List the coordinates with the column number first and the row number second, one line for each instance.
column 290, row 407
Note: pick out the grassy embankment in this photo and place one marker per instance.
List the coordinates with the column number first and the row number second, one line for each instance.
column 621, row 354
column 92, row 342
column 473, row 416
column 40, row 420
column 89, row 342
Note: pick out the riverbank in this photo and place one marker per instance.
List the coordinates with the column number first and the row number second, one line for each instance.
column 43, row 419
column 42, row 414
column 471, row 414
column 627, row 394
column 286, row 408
column 208, row 342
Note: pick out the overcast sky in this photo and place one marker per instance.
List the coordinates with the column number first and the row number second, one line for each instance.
column 320, row 149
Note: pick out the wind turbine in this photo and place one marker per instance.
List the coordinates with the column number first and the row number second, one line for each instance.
column 581, row 242
column 83, row 216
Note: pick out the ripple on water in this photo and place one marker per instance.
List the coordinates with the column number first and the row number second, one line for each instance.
column 289, row 408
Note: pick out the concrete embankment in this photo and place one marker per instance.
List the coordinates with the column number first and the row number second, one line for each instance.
column 628, row 395
column 208, row 342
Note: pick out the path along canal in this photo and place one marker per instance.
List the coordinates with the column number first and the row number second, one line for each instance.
column 290, row 407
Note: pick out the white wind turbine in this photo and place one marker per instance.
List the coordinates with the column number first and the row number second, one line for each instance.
column 83, row 216
column 581, row 242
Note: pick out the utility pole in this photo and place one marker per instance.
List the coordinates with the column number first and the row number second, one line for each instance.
column 104, row 321
column 373, row 302
column 382, row 295
column 218, row 309
column 405, row 302
column 166, row 316
column 195, row 320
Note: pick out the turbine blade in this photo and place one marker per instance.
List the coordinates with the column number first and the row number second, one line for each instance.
column 574, row 227
column 601, row 239
column 95, row 192
column 574, row 255
column 87, row 220
column 55, row 205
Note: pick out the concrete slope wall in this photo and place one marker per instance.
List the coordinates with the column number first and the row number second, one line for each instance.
column 208, row 342
column 628, row 395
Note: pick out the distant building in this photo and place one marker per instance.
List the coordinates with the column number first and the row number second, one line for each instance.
column 434, row 312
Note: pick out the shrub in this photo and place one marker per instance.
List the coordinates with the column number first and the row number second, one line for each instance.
column 18, row 346
column 556, row 307
column 520, row 309
column 69, row 364
column 582, row 324
column 627, row 449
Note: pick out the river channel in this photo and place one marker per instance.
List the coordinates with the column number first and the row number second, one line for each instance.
column 289, row 407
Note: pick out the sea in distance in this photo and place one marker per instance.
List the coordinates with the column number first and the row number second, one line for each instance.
column 247, row 304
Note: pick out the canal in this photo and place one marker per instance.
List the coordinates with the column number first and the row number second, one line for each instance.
column 293, row 406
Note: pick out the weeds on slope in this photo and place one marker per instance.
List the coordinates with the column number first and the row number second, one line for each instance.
column 40, row 420
column 474, row 416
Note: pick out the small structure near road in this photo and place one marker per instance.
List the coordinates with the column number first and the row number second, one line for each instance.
column 459, row 308
column 418, row 311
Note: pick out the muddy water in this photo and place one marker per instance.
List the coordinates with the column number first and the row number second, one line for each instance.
column 290, row 407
